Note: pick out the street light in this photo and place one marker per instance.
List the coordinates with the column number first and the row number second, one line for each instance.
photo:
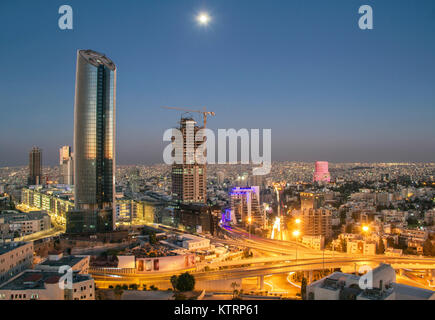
column 249, row 222
column 296, row 234
column 365, row 230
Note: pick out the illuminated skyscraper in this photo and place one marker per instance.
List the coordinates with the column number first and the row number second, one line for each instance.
column 64, row 154
column 66, row 165
column 189, row 178
column 316, row 222
column 321, row 172
column 35, row 166
column 245, row 206
column 94, row 142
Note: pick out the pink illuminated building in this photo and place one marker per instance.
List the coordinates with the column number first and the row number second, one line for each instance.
column 321, row 172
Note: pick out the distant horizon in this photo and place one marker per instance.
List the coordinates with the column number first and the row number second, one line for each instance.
column 273, row 161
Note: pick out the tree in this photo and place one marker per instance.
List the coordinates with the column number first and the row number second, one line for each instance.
column 104, row 255
column 343, row 245
column 185, row 282
column 234, row 285
column 133, row 286
column 153, row 238
column 174, row 279
column 118, row 291
column 381, row 247
column 428, row 249
column 390, row 242
column 304, row 288
column 412, row 221
column 247, row 253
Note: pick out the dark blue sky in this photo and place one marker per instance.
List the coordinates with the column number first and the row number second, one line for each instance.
column 303, row 68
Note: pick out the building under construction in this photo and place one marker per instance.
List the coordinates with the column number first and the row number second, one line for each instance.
column 189, row 179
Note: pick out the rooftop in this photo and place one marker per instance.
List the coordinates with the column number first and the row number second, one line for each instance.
column 97, row 59
column 68, row 260
column 11, row 246
column 376, row 294
column 13, row 215
column 32, row 279
column 404, row 292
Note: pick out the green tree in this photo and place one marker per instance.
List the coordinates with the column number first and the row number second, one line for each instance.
column 247, row 253
column 390, row 242
column 428, row 249
column 118, row 291
column 133, row 286
column 153, row 238
column 185, row 282
column 304, row 288
column 234, row 285
column 381, row 247
column 174, row 280
column 343, row 245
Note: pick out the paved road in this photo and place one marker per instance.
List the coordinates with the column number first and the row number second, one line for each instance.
column 282, row 263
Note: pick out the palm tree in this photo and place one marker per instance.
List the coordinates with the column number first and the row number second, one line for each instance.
column 303, row 288
column 174, row 279
column 118, row 291
column 234, row 285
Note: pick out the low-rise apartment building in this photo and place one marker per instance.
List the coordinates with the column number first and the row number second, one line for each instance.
column 15, row 257
column 48, row 285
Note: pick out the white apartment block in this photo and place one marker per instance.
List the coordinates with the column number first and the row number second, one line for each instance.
column 25, row 223
column 14, row 258
column 48, row 285
column 361, row 247
column 380, row 285
column 315, row 242
column 77, row 263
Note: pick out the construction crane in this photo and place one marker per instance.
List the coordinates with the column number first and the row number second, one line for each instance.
column 204, row 112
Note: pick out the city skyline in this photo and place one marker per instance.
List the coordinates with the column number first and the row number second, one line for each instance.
column 377, row 108
column 217, row 150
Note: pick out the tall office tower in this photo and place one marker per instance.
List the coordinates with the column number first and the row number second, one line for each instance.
column 321, row 172
column 245, row 203
column 316, row 222
column 35, row 166
column 64, row 154
column 189, row 179
column 94, row 143
column 66, row 165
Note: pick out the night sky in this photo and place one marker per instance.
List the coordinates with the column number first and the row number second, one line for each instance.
column 328, row 90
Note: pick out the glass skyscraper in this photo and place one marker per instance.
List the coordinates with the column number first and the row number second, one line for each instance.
column 94, row 138
column 35, row 167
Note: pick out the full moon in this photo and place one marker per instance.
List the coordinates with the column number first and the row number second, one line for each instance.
column 203, row 18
